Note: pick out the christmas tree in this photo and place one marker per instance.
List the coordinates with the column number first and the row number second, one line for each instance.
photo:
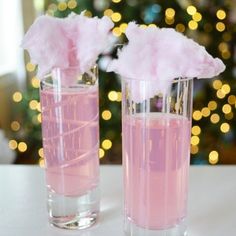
column 211, row 23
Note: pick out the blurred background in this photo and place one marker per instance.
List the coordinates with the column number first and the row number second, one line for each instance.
column 212, row 23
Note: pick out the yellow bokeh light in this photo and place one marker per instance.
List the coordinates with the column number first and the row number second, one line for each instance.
column 221, row 14
column 226, row 55
column 39, row 118
column 226, row 109
column 30, row 67
column 41, row 162
column 226, row 89
column 206, row 111
column 196, row 130
column 212, row 105
column 12, row 144
column 231, row 99
column 191, row 10
column 180, row 28
column 229, row 116
column 33, row 104
column 116, row 17
column 119, row 97
column 195, row 140
column 108, row 12
column 123, row 27
column 72, row 4
column 17, row 97
column 112, row 95
column 143, row 26
column 88, row 13
column 152, row 26
column 117, row 32
column 192, row 25
column 169, row 21
column 106, row 115
column 101, row 153
column 220, row 26
column 22, row 146
column 40, row 152
column 38, row 107
column 213, row 157
column 194, row 149
column 197, row 17
column 170, row 13
column 225, row 127
column 223, row 47
column 220, row 94
column 107, row 144
column 15, row 125
column 217, row 84
column 35, row 82
column 215, row 118
column 116, row 1
column 197, row 115
column 62, row 6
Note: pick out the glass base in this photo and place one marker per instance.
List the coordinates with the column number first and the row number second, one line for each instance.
column 133, row 230
column 73, row 212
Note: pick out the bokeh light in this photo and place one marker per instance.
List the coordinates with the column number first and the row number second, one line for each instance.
column 107, row 144
column 15, row 125
column 116, row 17
column 197, row 115
column 197, row 17
column 193, row 25
column 194, row 149
column 101, row 153
column 196, row 130
column 220, row 26
column 106, row 115
column 195, row 140
column 221, row 15
column 212, row 105
column 72, row 4
column 213, row 157
column 191, row 10
column 12, row 144
column 22, row 146
column 17, row 96
column 215, row 118
column 226, row 109
column 225, row 127
column 112, row 96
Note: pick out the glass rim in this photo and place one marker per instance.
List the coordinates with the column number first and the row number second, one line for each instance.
column 93, row 73
column 175, row 80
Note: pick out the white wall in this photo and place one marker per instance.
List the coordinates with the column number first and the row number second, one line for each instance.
column 11, row 33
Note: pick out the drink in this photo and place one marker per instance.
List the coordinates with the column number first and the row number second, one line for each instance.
column 70, row 140
column 70, row 125
column 156, row 163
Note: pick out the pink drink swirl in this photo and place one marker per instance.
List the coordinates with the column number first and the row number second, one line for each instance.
column 70, row 139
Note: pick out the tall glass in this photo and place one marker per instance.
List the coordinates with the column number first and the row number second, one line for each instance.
column 156, row 149
column 70, row 125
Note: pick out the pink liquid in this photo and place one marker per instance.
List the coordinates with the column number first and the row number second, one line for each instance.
column 71, row 139
column 156, row 163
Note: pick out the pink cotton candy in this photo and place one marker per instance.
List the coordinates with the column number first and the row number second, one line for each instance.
column 162, row 55
column 72, row 42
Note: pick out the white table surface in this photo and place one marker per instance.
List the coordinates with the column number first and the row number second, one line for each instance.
column 212, row 203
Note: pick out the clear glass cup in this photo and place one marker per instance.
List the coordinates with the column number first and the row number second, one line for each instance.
column 70, row 129
column 156, row 130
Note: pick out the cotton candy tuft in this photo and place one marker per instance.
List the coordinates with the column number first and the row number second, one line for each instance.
column 72, row 42
column 162, row 54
